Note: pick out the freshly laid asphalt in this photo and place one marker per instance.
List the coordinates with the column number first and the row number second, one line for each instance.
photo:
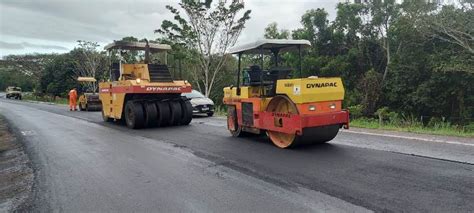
column 85, row 164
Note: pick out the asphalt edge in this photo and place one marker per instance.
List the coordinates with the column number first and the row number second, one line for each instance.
column 29, row 203
column 413, row 136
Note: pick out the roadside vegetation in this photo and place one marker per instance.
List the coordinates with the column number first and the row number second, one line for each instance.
column 386, row 119
column 434, row 128
column 45, row 98
column 407, row 66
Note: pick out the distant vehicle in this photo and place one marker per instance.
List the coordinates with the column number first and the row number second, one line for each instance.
column 13, row 92
column 201, row 104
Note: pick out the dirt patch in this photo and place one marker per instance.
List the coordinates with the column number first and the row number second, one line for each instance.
column 16, row 174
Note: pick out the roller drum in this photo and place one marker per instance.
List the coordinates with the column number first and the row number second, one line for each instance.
column 310, row 135
column 316, row 135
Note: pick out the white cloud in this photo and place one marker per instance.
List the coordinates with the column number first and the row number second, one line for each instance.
column 23, row 45
column 61, row 22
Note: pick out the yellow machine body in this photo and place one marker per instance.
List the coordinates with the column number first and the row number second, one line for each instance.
column 304, row 110
column 113, row 94
column 302, row 90
column 89, row 102
column 144, row 94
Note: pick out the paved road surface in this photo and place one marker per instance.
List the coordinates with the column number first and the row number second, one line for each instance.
column 86, row 164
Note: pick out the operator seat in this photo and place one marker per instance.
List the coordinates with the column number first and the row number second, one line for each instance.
column 254, row 75
column 115, row 71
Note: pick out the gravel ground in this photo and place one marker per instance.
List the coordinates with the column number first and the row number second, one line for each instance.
column 16, row 173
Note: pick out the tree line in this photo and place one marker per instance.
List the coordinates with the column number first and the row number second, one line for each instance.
column 412, row 58
column 406, row 59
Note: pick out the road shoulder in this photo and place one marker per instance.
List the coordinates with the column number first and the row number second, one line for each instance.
column 413, row 136
column 16, row 173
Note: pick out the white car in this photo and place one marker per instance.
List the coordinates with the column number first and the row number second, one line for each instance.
column 201, row 104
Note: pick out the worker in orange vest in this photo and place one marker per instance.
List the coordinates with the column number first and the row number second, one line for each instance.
column 72, row 99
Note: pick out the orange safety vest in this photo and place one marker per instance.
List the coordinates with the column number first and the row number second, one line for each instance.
column 73, row 94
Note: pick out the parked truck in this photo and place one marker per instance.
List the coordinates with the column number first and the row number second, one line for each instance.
column 13, row 92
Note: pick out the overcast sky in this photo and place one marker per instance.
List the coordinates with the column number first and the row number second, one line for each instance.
column 46, row 26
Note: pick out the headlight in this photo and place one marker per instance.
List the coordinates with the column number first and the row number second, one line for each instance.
column 332, row 106
column 138, row 80
column 312, row 108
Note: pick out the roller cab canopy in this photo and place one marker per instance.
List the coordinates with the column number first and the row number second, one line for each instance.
column 130, row 45
column 270, row 46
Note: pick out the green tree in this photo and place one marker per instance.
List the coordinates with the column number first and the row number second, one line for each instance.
column 272, row 32
column 454, row 24
column 209, row 29
column 59, row 76
column 371, row 85
column 383, row 13
column 127, row 56
column 30, row 66
column 367, row 43
column 12, row 77
column 89, row 62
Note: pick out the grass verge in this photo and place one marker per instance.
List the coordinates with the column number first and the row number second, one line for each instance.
column 220, row 111
column 49, row 99
column 442, row 128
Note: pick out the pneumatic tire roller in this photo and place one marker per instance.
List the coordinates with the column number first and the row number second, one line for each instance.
column 144, row 94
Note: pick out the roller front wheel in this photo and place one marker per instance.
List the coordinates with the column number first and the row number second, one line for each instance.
column 151, row 114
column 282, row 104
column 176, row 113
column 134, row 115
column 310, row 135
column 163, row 113
column 187, row 112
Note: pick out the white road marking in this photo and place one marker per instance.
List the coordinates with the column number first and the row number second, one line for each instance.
column 409, row 138
column 28, row 133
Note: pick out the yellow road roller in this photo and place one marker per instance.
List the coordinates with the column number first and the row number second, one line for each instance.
column 88, row 95
column 291, row 111
column 143, row 94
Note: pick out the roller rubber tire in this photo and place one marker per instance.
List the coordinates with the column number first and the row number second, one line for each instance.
column 187, row 112
column 164, row 113
column 151, row 114
column 134, row 115
column 176, row 113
